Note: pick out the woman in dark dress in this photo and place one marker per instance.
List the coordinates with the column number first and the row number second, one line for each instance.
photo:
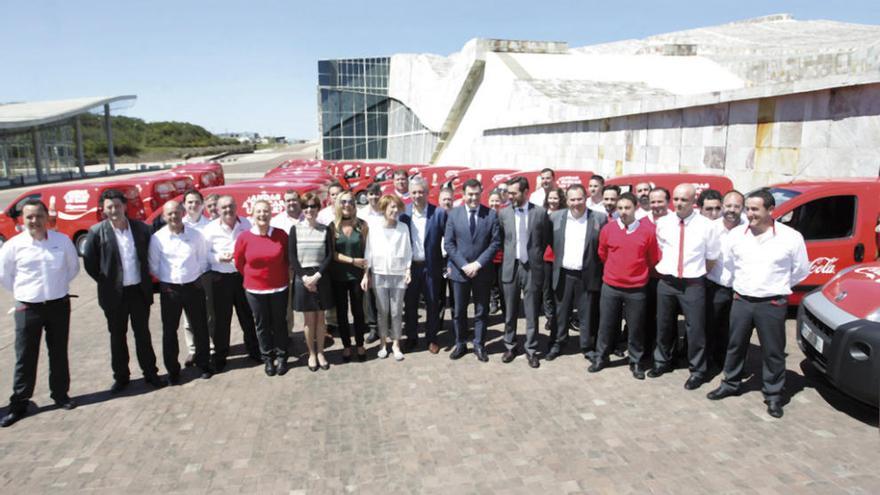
column 348, row 238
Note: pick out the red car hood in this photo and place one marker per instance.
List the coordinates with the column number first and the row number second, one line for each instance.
column 856, row 291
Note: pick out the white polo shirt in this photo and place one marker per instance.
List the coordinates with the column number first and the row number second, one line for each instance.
column 700, row 245
column 38, row 271
column 769, row 264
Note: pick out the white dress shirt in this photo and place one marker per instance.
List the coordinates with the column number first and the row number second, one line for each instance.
column 597, row 206
column 283, row 221
column 38, row 271
column 640, row 213
column 198, row 223
column 722, row 272
column 178, row 258
column 538, row 197
column 521, row 224
column 700, row 245
column 628, row 229
column 769, row 264
column 419, row 231
column 327, row 215
column 575, row 240
column 370, row 216
column 131, row 270
column 221, row 241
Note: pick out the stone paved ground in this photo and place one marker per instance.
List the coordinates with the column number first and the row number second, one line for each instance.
column 426, row 425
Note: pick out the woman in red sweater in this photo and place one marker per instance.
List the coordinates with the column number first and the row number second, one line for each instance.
column 628, row 248
column 261, row 257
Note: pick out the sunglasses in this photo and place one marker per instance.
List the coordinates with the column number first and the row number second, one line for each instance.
column 309, row 207
column 346, row 202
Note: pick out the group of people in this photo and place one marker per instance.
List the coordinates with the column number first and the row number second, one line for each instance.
column 622, row 262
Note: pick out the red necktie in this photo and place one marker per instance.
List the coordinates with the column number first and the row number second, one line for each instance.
column 680, row 248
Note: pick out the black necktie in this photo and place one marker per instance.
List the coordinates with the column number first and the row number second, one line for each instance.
column 473, row 223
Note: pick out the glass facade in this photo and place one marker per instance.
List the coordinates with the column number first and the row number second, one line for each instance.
column 57, row 152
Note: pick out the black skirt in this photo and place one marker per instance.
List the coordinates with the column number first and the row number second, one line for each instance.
column 306, row 300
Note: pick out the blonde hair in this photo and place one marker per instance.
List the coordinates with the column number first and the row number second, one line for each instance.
column 387, row 199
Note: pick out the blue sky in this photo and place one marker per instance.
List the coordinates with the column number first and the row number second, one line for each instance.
column 251, row 65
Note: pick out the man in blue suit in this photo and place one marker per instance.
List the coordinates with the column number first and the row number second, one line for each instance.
column 472, row 238
column 427, row 224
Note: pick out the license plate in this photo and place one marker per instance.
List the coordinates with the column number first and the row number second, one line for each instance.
column 810, row 336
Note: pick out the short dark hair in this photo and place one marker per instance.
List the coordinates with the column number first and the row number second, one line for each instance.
column 35, row 202
column 734, row 191
column 599, row 178
column 552, row 173
column 611, row 188
column 446, row 189
column 113, row 194
column 629, row 197
column 400, row 171
column 333, row 184
column 663, row 190
column 374, row 188
column 193, row 191
column 520, row 181
column 766, row 197
column 708, row 194
column 472, row 183
column 576, row 186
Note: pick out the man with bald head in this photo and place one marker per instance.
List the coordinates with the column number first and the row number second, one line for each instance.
column 690, row 248
column 178, row 258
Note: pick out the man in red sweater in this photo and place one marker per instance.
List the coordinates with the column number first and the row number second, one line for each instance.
column 628, row 248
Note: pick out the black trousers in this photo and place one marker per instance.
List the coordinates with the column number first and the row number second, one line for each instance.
column 651, row 317
column 270, row 316
column 570, row 295
column 343, row 292
column 228, row 294
column 526, row 292
column 30, row 322
column 464, row 293
column 689, row 295
column 548, row 296
column 767, row 315
column 718, row 302
column 133, row 308
column 422, row 283
column 369, row 309
column 630, row 303
column 190, row 299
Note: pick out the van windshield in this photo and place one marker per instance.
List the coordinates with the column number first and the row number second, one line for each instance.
column 782, row 195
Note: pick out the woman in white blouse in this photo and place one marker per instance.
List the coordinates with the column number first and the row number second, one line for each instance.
column 388, row 256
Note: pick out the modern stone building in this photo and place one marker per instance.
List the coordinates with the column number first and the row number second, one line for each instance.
column 762, row 100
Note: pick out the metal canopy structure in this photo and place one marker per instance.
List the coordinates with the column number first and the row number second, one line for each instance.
column 38, row 118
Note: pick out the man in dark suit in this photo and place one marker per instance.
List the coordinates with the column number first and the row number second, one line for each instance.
column 115, row 255
column 525, row 230
column 577, row 269
column 471, row 240
column 427, row 224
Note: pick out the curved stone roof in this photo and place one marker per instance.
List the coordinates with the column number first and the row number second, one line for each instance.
column 32, row 114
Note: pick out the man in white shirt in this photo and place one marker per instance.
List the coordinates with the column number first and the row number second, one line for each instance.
column 687, row 241
column 211, row 206
column 658, row 199
column 596, row 188
column 328, row 214
column 719, row 282
column 610, row 194
column 292, row 213
column 195, row 219
column 178, row 258
column 710, row 204
column 115, row 256
column 643, row 194
column 769, row 258
column 220, row 235
column 401, row 185
column 577, row 270
column 548, row 181
column 37, row 266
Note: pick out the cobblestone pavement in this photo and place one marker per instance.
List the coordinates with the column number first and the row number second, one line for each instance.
column 425, row 425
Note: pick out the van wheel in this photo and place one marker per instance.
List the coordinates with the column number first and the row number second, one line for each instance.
column 361, row 198
column 80, row 243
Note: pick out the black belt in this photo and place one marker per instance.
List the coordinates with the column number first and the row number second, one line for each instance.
column 187, row 285
column 573, row 273
column 45, row 303
column 737, row 295
column 682, row 281
column 418, row 262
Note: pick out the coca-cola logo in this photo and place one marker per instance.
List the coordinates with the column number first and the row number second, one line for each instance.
column 870, row 272
column 823, row 265
column 76, row 196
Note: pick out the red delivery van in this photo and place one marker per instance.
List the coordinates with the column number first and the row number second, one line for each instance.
column 203, row 174
column 670, row 181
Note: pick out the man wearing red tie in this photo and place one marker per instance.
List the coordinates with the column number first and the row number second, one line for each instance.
column 689, row 249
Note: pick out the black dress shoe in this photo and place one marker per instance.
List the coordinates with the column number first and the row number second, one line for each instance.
column 658, row 371
column 206, row 374
column 173, row 378
column 410, row 345
column 65, row 403
column 553, row 354
column 481, row 354
column 534, row 362
column 219, row 365
column 597, row 366
column 459, row 351
column 118, row 386
column 362, row 357
column 638, row 373
column 282, row 366
column 154, row 381
column 722, row 392
column 508, row 356
column 12, row 417
column 325, row 366
column 372, row 336
column 271, row 370
column 693, row 382
column 774, row 408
